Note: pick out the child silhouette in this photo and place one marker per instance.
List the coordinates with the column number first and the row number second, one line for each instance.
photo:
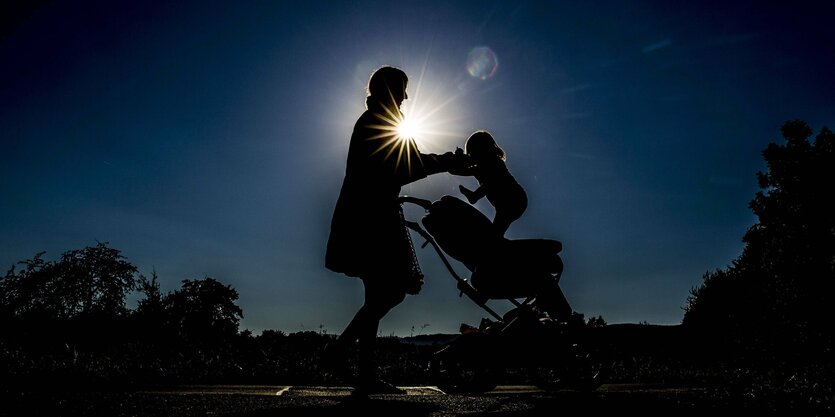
column 495, row 181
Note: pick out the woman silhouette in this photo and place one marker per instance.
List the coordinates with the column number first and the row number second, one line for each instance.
column 368, row 237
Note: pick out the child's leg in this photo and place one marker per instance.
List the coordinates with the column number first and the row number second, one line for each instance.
column 552, row 300
column 506, row 215
column 501, row 222
column 469, row 194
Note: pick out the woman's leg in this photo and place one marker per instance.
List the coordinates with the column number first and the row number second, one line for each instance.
column 381, row 295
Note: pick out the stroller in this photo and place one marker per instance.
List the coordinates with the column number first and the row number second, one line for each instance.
column 540, row 340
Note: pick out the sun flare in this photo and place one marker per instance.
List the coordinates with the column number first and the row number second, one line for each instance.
column 429, row 122
column 408, row 127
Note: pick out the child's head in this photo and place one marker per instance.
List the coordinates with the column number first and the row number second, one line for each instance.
column 481, row 144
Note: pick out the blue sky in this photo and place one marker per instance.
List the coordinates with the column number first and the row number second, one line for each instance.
column 209, row 139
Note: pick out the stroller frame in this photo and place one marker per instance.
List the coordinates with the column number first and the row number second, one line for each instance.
column 463, row 285
column 555, row 355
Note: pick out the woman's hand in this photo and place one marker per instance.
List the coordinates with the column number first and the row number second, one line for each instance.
column 457, row 163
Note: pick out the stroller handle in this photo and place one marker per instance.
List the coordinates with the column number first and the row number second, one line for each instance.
column 414, row 200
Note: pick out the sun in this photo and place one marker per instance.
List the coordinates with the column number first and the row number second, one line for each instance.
column 428, row 123
column 397, row 136
column 430, row 118
column 409, row 127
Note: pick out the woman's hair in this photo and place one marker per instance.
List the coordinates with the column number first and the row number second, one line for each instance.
column 384, row 80
column 481, row 143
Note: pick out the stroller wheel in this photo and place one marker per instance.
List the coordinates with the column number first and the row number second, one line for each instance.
column 459, row 378
column 581, row 372
column 462, row 367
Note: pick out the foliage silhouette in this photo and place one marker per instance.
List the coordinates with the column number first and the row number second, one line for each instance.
column 93, row 281
column 773, row 300
column 204, row 311
column 68, row 319
column 190, row 334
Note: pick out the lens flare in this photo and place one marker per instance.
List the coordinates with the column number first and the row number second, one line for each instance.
column 482, row 63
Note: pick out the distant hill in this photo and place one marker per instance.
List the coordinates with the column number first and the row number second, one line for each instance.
column 429, row 339
column 622, row 337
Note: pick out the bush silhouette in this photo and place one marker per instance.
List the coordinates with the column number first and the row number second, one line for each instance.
column 774, row 298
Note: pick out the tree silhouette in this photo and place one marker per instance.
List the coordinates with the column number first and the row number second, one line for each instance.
column 204, row 310
column 89, row 282
column 153, row 301
column 69, row 319
column 775, row 295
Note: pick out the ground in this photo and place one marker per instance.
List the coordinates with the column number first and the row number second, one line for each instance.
column 284, row 401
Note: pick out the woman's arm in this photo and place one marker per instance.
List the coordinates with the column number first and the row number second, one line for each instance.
column 425, row 164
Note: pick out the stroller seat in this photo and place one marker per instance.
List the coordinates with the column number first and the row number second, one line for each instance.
column 501, row 268
column 518, row 268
